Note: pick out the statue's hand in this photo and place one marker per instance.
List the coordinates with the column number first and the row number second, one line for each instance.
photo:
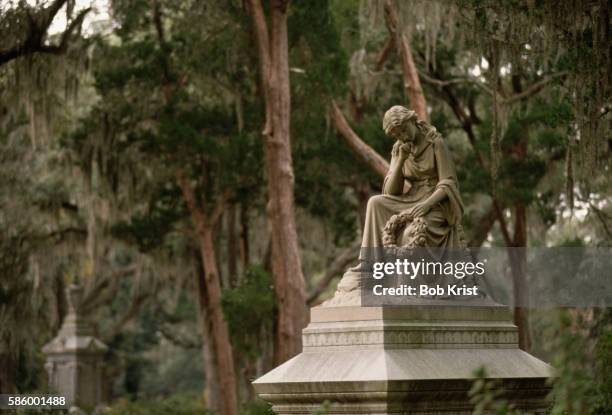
column 395, row 149
column 404, row 151
column 421, row 209
column 401, row 150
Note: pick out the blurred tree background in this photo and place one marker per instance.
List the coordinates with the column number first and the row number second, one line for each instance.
column 133, row 162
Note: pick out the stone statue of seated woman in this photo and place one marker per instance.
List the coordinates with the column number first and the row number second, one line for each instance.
column 420, row 204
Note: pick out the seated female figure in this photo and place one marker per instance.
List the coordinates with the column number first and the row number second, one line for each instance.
column 421, row 158
column 420, row 197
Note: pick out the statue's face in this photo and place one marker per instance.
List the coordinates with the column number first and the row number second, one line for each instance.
column 405, row 132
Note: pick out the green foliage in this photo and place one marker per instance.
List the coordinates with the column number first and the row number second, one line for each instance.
column 142, row 71
column 521, row 177
column 257, row 407
column 148, row 230
column 534, row 140
column 156, row 332
column 581, row 385
column 324, row 197
column 472, row 177
column 545, row 205
column 133, row 345
column 345, row 15
column 249, row 309
column 486, row 396
column 541, row 36
column 325, row 61
column 603, row 378
column 323, row 409
column 322, row 163
column 179, row 404
column 581, row 345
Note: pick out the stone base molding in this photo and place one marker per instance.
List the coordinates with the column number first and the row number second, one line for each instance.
column 404, row 360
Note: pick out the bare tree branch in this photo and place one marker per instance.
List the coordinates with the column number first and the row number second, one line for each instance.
column 50, row 12
column 533, row 89
column 96, row 296
column 335, row 270
column 384, row 53
column 37, row 32
column 462, row 80
column 603, row 218
column 178, row 339
column 363, row 151
column 60, row 233
column 137, row 302
column 412, row 83
column 265, row 61
column 483, row 227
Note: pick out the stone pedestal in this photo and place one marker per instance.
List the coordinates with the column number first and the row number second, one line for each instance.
column 404, row 360
column 75, row 358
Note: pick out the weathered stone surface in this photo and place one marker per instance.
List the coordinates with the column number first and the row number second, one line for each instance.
column 411, row 360
column 420, row 204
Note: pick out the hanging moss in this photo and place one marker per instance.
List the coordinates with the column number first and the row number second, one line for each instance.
column 573, row 37
column 570, row 40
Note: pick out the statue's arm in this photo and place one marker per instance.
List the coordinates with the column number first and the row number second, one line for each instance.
column 447, row 181
column 446, row 173
column 444, row 162
column 394, row 182
column 436, row 197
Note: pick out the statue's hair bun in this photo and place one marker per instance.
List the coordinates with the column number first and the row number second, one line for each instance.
column 397, row 115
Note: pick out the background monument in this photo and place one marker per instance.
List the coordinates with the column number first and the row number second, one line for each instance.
column 75, row 357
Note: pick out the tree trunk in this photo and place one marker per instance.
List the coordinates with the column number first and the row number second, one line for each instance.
column 412, row 82
column 357, row 106
column 211, row 369
column 384, row 53
column 232, row 246
column 8, row 369
column 220, row 333
column 519, row 269
column 286, row 265
column 244, row 236
column 519, row 276
column 221, row 345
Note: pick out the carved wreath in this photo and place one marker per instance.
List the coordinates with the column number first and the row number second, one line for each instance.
column 413, row 230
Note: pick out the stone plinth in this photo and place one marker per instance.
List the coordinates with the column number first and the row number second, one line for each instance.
column 410, row 360
column 75, row 358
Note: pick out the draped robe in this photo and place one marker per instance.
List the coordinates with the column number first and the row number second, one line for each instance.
column 426, row 170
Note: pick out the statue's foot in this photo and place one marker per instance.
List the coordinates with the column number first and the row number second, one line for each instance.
column 348, row 289
column 350, row 280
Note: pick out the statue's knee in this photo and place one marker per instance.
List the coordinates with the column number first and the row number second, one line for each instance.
column 375, row 201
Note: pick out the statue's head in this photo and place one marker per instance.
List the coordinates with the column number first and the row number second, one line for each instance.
column 400, row 123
